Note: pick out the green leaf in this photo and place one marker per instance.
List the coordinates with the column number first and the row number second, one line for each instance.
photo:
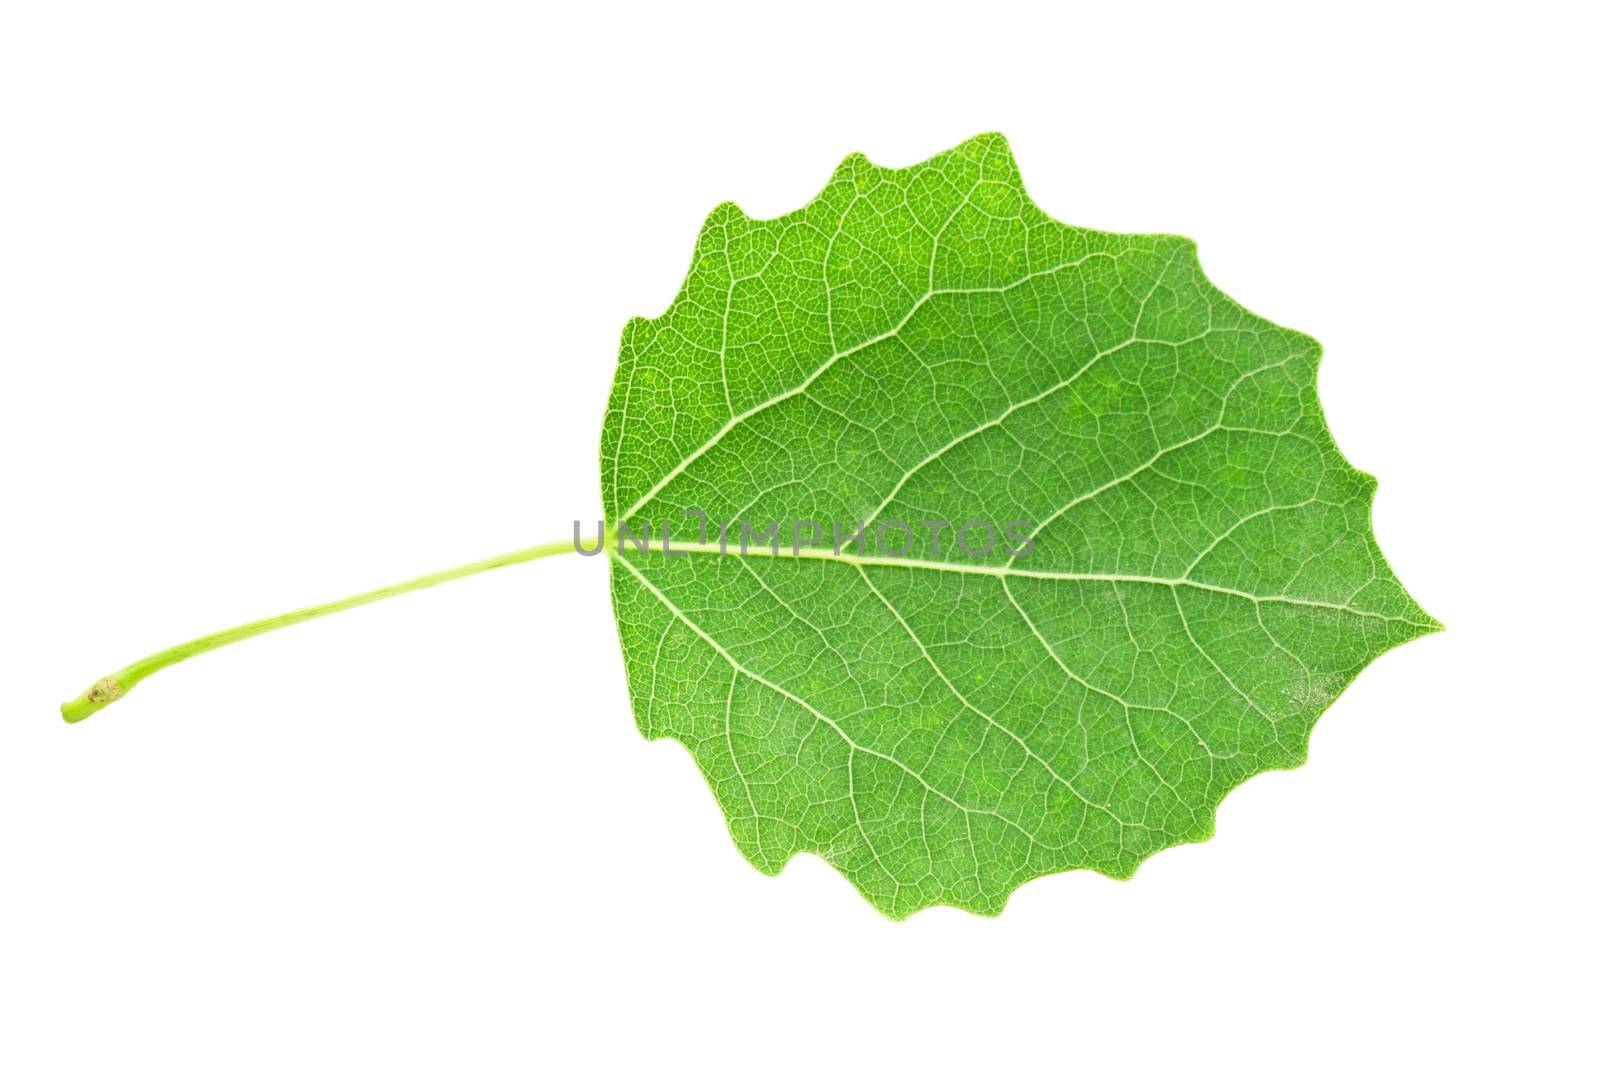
column 926, row 345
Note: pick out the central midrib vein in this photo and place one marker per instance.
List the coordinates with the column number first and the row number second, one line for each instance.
column 912, row 563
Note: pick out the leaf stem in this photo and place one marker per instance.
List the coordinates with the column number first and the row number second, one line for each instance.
column 115, row 686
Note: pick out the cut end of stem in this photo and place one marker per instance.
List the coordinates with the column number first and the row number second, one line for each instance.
column 107, row 690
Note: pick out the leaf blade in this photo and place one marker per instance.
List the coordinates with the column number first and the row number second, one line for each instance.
column 925, row 344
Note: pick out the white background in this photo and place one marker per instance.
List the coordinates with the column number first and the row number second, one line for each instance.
column 300, row 299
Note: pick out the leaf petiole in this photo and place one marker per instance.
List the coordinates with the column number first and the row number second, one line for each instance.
column 115, row 686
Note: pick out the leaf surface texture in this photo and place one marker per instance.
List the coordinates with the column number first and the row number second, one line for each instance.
column 924, row 344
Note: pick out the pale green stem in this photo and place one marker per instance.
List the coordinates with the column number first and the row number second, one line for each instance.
column 115, row 686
